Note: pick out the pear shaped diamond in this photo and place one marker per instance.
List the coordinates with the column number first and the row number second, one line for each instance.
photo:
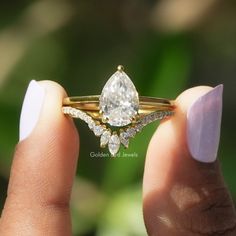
column 119, row 101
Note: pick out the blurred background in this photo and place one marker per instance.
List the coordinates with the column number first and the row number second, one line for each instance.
column 166, row 47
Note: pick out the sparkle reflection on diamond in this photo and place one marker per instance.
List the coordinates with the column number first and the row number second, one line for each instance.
column 114, row 144
column 119, row 100
column 105, row 138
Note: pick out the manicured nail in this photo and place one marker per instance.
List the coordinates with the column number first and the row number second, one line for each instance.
column 203, row 125
column 31, row 108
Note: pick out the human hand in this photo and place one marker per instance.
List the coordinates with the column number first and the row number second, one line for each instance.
column 183, row 188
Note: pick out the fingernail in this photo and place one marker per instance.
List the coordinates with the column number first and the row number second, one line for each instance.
column 203, row 125
column 31, row 108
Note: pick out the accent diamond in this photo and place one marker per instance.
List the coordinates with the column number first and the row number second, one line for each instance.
column 98, row 129
column 91, row 124
column 105, row 138
column 124, row 139
column 119, row 101
column 114, row 144
column 131, row 132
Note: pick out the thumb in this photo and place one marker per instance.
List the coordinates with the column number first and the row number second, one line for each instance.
column 184, row 191
column 43, row 166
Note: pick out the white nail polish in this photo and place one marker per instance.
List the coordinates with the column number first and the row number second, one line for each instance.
column 31, row 108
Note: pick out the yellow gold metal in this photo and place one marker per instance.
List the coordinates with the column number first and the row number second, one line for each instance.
column 134, row 119
column 90, row 105
column 120, row 68
column 104, row 119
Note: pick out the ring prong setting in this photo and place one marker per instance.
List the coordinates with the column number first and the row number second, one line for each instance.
column 120, row 68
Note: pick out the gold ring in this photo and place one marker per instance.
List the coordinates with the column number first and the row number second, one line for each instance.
column 119, row 112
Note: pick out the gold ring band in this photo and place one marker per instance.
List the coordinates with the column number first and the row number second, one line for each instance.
column 90, row 104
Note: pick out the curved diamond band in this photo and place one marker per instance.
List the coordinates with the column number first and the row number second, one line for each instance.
column 118, row 107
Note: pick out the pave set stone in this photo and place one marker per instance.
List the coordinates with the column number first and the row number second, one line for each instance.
column 113, row 139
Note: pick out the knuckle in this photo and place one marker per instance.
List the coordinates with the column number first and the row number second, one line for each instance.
column 190, row 211
column 55, row 205
column 214, row 214
column 201, row 205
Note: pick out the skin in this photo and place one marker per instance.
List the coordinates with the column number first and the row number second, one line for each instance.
column 180, row 195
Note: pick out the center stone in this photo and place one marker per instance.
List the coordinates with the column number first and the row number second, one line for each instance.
column 119, row 101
